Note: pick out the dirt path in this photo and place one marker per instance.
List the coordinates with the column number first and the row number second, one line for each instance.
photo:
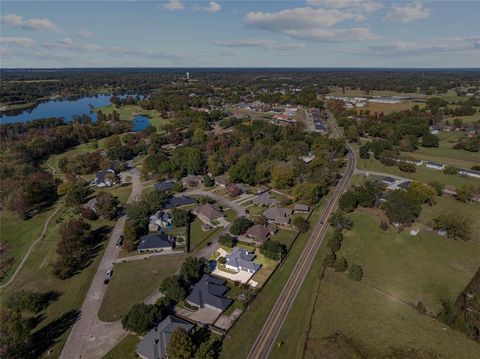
column 25, row 257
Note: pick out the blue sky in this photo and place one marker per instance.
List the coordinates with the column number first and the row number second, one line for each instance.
column 310, row 33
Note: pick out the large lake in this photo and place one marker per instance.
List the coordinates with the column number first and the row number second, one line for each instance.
column 68, row 109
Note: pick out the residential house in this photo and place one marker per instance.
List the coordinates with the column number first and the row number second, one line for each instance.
column 160, row 220
column 405, row 184
column 207, row 213
column 91, row 204
column 192, row 181
column 222, row 181
column 102, row 178
column 258, row 233
column 179, row 201
column 435, row 166
column 301, row 208
column 155, row 243
column 389, row 181
column 154, row 344
column 209, row 292
column 241, row 259
column 280, row 216
column 265, row 200
column 164, row 186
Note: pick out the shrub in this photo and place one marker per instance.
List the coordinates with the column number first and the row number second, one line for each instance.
column 221, row 260
column 240, row 225
column 355, row 272
column 341, row 264
column 227, row 241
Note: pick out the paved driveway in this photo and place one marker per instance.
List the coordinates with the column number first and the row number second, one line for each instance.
column 90, row 337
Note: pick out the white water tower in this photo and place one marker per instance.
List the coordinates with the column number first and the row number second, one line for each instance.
column 188, row 75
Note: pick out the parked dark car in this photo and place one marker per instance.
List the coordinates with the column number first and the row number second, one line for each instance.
column 120, row 240
column 108, row 276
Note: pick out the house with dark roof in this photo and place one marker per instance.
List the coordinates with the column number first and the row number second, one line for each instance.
column 155, row 243
column 207, row 213
column 179, row 201
column 192, row 181
column 222, row 181
column 264, row 200
column 388, row 180
column 102, row 178
column 469, row 173
column 258, row 233
column 154, row 344
column 164, row 186
column 405, row 184
column 280, row 216
column 209, row 292
column 241, row 259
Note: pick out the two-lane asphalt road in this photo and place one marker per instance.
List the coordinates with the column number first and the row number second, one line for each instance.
column 272, row 326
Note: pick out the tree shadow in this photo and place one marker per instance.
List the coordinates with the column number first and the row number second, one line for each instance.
column 94, row 246
column 44, row 338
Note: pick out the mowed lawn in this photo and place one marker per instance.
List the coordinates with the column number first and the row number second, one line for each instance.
column 19, row 234
column 445, row 152
column 352, row 320
column 356, row 320
column 199, row 237
column 125, row 349
column 36, row 275
column 133, row 281
column 426, row 267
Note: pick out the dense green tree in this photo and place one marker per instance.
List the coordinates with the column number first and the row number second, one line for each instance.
column 273, row 249
column 15, row 338
column 306, row 192
column 329, row 260
column 335, row 241
column 77, row 195
column 283, row 176
column 107, row 205
column 355, row 272
column 180, row 345
column 402, row 207
column 457, row 227
column 429, row 140
column 407, row 167
column 240, row 225
column 227, row 240
column 348, row 202
column 423, row 192
column 180, row 217
column 193, row 269
column 173, row 288
column 438, row 187
column 142, row 317
column 364, row 151
column 340, row 220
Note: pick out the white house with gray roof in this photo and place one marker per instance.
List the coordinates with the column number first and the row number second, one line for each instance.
column 241, row 259
column 154, row 344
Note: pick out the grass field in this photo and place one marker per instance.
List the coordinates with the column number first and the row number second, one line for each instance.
column 125, row 349
column 423, row 173
column 19, row 234
column 128, row 112
column 388, row 108
column 356, row 320
column 198, row 237
column 242, row 335
column 445, row 152
column 353, row 321
column 448, row 205
column 132, row 282
column 36, row 275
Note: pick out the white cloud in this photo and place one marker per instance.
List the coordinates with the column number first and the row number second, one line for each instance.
column 85, row 34
column 310, row 23
column 29, row 24
column 24, row 42
column 173, row 5
column 212, row 7
column 359, row 5
column 265, row 44
column 407, row 13
column 454, row 45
